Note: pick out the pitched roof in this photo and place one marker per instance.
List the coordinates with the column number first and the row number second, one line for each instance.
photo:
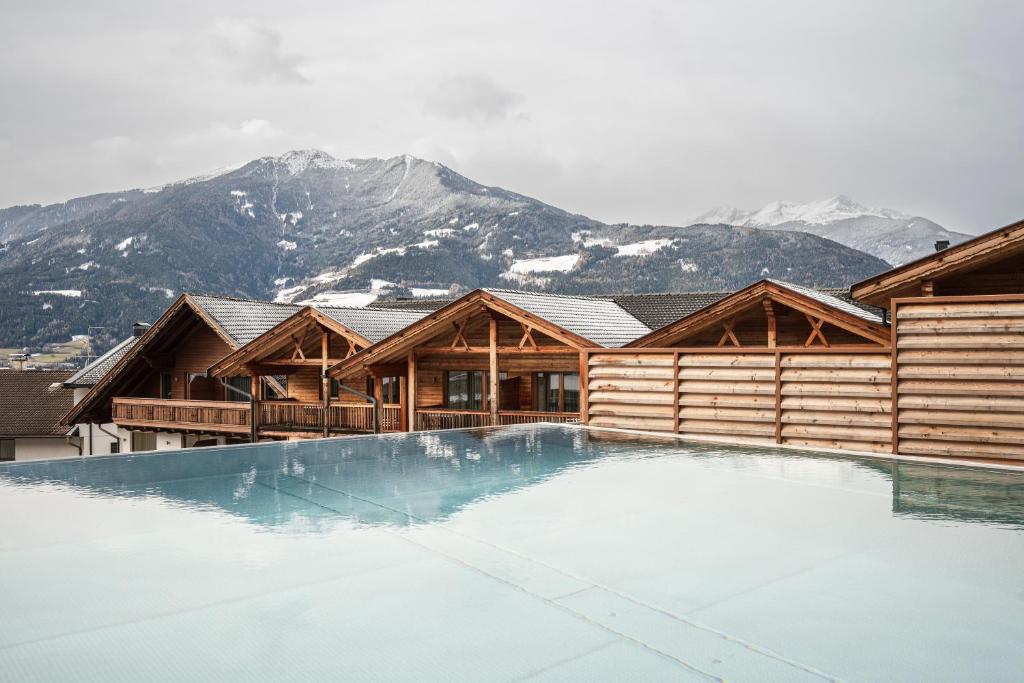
column 243, row 319
column 600, row 320
column 658, row 310
column 373, row 323
column 431, row 304
column 94, row 371
column 32, row 402
column 831, row 300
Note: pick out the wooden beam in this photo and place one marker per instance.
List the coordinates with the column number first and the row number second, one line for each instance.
column 928, row 288
column 547, row 349
column 493, row 336
column 729, row 335
column 816, row 331
column 527, row 337
column 584, row 386
column 403, row 404
column 308, row 362
column 460, row 334
column 411, row 388
column 772, row 328
column 297, row 353
column 325, row 382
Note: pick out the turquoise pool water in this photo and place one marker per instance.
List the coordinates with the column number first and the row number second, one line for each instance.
column 526, row 553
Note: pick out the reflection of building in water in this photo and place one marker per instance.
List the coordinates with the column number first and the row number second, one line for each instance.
column 400, row 480
column 961, row 494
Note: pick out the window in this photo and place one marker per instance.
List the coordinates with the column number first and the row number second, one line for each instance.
column 165, row 385
column 6, row 449
column 464, row 390
column 115, row 447
column 390, row 388
column 235, row 385
column 556, row 392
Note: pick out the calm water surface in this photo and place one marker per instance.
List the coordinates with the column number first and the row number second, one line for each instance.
column 523, row 553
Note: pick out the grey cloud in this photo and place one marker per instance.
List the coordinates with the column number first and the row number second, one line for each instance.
column 471, row 96
column 252, row 51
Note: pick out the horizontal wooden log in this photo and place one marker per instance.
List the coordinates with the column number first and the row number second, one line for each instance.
column 967, row 419
column 962, row 341
column 960, row 310
column 617, row 372
column 851, row 433
column 874, row 360
column 728, row 400
column 975, row 404
column 631, row 410
column 960, row 450
column 630, row 360
column 722, row 360
column 839, row 444
column 827, row 389
column 627, row 422
column 963, row 434
column 966, row 373
column 638, row 397
column 748, row 388
column 869, row 376
column 840, row 404
column 960, row 357
column 726, row 427
column 613, row 384
column 728, row 374
column 727, row 414
column 876, row 419
column 961, row 326
column 952, row 388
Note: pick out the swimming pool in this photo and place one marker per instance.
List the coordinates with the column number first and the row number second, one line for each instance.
column 524, row 553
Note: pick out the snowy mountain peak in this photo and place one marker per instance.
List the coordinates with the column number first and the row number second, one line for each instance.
column 821, row 212
column 300, row 160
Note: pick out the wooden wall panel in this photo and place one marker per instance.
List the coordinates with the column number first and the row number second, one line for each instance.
column 960, row 369
column 837, row 400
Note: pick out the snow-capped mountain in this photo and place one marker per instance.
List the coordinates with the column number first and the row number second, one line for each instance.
column 891, row 235
column 306, row 226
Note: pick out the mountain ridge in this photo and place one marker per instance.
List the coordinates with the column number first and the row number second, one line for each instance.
column 305, row 226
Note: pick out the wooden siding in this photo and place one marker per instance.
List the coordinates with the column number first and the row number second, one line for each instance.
column 823, row 399
column 960, row 369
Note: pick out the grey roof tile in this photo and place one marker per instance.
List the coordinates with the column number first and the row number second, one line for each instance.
column 831, row 300
column 600, row 320
column 658, row 310
column 94, row 371
column 244, row 319
column 373, row 323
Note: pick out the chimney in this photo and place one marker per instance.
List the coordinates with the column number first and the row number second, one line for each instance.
column 139, row 329
column 941, row 245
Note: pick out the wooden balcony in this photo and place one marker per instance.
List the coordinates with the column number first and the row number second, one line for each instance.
column 437, row 418
column 273, row 417
column 221, row 417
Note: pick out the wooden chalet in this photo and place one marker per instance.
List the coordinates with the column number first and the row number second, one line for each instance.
column 494, row 357
column 770, row 314
column 298, row 352
column 990, row 264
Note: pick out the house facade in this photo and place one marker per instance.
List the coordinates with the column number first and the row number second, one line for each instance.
column 32, row 403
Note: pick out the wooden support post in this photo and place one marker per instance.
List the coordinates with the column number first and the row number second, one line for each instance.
column 403, row 404
column 675, row 392
column 411, row 389
column 254, row 408
column 325, row 381
column 493, row 329
column 772, row 328
column 928, row 288
column 894, row 381
column 729, row 335
column 778, row 397
column 584, row 389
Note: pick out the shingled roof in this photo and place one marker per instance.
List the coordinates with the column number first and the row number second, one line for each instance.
column 243, row 319
column 658, row 310
column 600, row 320
column 32, row 402
column 94, row 371
column 373, row 323
column 828, row 299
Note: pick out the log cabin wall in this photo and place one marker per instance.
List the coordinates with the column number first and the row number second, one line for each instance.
column 822, row 399
column 960, row 376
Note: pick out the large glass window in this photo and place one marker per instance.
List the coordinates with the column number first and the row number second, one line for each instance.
column 464, row 389
column 556, row 392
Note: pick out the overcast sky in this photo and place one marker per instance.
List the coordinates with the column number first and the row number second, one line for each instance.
column 648, row 112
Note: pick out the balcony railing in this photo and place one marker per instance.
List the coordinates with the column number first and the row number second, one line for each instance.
column 212, row 416
column 431, row 418
column 233, row 416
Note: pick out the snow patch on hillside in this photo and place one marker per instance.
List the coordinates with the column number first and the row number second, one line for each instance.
column 74, row 293
column 341, row 298
column 287, row 245
column 124, row 244
column 643, row 248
